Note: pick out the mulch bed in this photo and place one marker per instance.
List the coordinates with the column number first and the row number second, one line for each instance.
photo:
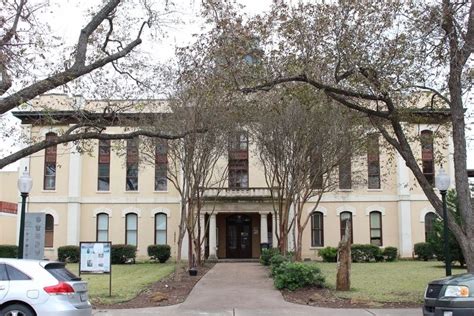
column 165, row 292
column 326, row 298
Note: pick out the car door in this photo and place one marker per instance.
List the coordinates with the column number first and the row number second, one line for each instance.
column 4, row 283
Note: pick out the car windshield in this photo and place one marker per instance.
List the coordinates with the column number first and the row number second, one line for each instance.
column 59, row 271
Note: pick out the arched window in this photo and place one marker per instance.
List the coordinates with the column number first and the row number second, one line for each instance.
column 160, row 229
column 50, row 155
column 317, row 229
column 429, row 221
column 376, row 228
column 131, row 229
column 427, row 155
column 346, row 220
column 49, row 231
column 102, row 227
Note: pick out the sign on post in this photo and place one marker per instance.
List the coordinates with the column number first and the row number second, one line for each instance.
column 34, row 236
column 95, row 258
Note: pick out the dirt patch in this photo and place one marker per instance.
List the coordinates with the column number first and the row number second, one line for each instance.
column 165, row 292
column 326, row 298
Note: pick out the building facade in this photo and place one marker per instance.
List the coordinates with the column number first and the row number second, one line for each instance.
column 102, row 195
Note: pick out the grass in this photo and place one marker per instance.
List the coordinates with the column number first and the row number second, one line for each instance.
column 128, row 280
column 400, row 281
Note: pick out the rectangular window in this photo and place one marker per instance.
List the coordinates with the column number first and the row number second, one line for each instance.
column 132, row 165
column 345, row 173
column 376, row 228
column 160, row 229
column 427, row 155
column 102, row 227
column 161, row 166
column 373, row 162
column 238, row 161
column 50, row 156
column 131, row 227
column 103, row 179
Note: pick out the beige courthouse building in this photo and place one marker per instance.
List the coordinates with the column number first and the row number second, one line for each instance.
column 105, row 196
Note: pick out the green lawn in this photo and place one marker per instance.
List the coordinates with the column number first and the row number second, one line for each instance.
column 127, row 280
column 401, row 281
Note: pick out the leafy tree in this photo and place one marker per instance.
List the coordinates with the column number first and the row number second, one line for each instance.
column 436, row 238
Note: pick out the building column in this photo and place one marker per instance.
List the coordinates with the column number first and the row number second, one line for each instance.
column 202, row 233
column 263, row 228
column 212, row 237
column 275, row 227
column 404, row 209
column 74, row 205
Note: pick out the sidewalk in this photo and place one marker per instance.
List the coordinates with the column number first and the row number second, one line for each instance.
column 243, row 289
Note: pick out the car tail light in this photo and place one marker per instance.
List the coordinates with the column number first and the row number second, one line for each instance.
column 60, row 288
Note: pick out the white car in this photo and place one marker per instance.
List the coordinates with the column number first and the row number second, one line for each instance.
column 41, row 288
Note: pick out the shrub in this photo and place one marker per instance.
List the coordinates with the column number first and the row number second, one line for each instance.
column 329, row 254
column 276, row 261
column 390, row 254
column 123, row 254
column 423, row 251
column 69, row 254
column 267, row 255
column 366, row 253
column 295, row 275
column 159, row 252
column 8, row 251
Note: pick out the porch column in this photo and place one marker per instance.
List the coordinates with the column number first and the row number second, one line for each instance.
column 275, row 226
column 263, row 228
column 202, row 225
column 212, row 237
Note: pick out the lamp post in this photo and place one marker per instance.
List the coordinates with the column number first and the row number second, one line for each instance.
column 24, row 186
column 442, row 184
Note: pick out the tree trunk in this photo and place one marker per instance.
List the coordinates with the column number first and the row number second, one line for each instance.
column 343, row 279
column 299, row 248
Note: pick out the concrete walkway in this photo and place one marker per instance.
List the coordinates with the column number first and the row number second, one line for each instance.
column 244, row 289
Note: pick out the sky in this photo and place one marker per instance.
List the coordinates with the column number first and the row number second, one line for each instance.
column 66, row 17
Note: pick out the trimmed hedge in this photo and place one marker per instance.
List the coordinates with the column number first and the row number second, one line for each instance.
column 160, row 253
column 295, row 275
column 390, row 254
column 69, row 254
column 8, row 251
column 366, row 253
column 329, row 254
column 123, row 254
column 423, row 251
column 267, row 255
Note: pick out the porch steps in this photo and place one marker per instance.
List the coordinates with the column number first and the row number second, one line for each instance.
column 225, row 260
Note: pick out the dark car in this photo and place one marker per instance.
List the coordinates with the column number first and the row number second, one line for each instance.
column 451, row 296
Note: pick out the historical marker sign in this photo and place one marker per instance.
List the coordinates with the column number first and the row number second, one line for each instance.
column 34, row 235
column 95, row 257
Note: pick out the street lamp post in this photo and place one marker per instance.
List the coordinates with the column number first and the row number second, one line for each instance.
column 442, row 184
column 24, row 186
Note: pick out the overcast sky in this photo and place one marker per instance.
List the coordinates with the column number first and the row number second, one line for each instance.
column 66, row 17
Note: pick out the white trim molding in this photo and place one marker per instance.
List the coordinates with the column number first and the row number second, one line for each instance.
column 425, row 211
column 132, row 210
column 163, row 210
column 51, row 212
column 99, row 210
column 373, row 208
column 346, row 208
column 321, row 209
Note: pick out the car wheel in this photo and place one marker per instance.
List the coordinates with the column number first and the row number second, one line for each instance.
column 17, row 310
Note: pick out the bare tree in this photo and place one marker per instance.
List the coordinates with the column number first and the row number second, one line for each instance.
column 302, row 140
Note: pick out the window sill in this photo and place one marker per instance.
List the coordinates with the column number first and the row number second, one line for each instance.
column 374, row 190
column 134, row 192
column 103, row 192
column 345, row 190
column 316, row 248
column 161, row 191
column 48, row 191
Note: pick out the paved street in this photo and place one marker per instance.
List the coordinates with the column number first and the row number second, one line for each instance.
column 243, row 289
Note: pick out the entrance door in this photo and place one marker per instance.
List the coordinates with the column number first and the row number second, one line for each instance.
column 239, row 236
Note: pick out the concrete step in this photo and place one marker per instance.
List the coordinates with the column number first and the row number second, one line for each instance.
column 238, row 260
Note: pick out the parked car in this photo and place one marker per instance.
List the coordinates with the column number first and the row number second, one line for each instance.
column 41, row 288
column 451, row 296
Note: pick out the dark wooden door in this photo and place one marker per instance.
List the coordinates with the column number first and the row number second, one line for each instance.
column 239, row 236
